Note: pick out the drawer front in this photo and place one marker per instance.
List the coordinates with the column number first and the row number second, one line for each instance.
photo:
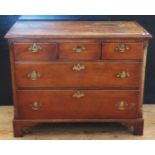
column 79, row 51
column 35, row 51
column 84, row 74
column 73, row 104
column 122, row 51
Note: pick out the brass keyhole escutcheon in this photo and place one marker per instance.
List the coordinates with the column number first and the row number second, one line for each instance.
column 35, row 48
column 122, row 105
column 122, row 74
column 78, row 94
column 78, row 67
column 122, row 48
column 79, row 49
column 34, row 75
column 36, row 105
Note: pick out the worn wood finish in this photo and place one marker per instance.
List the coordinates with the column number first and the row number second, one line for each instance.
column 80, row 72
column 134, row 51
column 95, row 74
column 95, row 104
column 79, row 51
column 77, row 29
column 46, row 51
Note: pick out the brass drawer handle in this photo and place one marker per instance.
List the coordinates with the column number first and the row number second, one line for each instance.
column 34, row 75
column 122, row 48
column 78, row 94
column 34, row 48
column 36, row 105
column 122, row 75
column 122, row 105
column 78, row 67
column 79, row 49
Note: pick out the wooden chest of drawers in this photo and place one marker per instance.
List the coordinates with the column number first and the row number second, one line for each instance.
column 77, row 72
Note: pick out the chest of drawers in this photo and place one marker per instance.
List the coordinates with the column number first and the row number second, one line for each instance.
column 77, row 72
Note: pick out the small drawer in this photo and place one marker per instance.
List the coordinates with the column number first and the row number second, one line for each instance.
column 79, row 51
column 77, row 104
column 35, row 51
column 108, row 75
column 122, row 50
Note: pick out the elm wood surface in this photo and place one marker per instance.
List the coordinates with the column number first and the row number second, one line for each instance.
column 133, row 51
column 95, row 74
column 63, row 104
column 79, row 51
column 77, row 40
column 66, row 50
column 46, row 51
column 77, row 29
column 71, row 73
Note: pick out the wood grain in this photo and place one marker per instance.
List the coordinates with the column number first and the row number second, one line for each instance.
column 92, row 51
column 135, row 51
column 95, row 75
column 61, row 104
column 47, row 52
column 77, row 29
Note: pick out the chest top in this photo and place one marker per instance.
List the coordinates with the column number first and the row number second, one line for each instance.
column 77, row 29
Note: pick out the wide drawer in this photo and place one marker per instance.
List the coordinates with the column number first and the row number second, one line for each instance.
column 77, row 104
column 124, row 51
column 79, row 51
column 35, row 51
column 83, row 74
